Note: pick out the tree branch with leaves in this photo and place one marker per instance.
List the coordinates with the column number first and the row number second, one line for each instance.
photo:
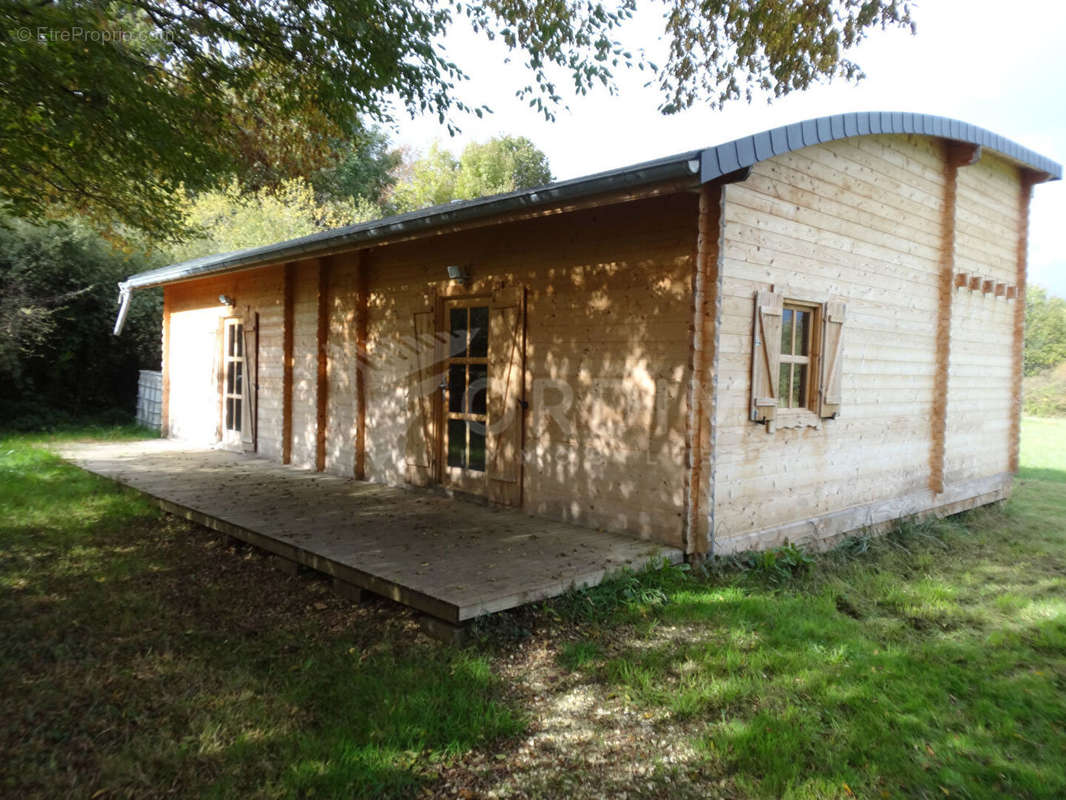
column 160, row 94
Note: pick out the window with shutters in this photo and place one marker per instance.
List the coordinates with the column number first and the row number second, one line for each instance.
column 796, row 360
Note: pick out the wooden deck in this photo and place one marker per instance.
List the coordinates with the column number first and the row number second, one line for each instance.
column 452, row 559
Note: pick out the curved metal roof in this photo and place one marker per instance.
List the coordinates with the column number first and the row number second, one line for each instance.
column 699, row 165
column 741, row 153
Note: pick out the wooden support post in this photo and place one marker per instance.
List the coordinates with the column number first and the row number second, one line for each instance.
column 287, row 365
column 349, row 591
column 322, row 390
column 285, row 566
column 362, row 364
column 956, row 154
column 698, row 531
column 446, row 632
column 1018, row 349
column 164, row 412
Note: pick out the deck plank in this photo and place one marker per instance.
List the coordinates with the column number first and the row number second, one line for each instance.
column 454, row 559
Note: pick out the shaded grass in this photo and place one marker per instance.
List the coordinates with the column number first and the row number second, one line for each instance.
column 141, row 656
column 930, row 662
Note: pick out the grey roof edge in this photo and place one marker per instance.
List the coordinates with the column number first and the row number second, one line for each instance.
column 683, row 166
column 744, row 152
column 710, row 164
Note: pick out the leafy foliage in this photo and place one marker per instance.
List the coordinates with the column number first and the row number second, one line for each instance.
column 231, row 218
column 1045, row 331
column 365, row 168
column 109, row 107
column 1045, row 393
column 725, row 50
column 502, row 164
column 57, row 305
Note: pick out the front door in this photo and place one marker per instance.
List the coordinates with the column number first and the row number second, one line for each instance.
column 465, row 394
column 234, row 413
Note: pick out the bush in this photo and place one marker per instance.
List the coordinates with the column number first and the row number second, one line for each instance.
column 1045, row 393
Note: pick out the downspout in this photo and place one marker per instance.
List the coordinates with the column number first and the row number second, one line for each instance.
column 125, row 294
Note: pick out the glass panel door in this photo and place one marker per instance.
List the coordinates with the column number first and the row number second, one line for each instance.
column 233, row 382
column 465, row 388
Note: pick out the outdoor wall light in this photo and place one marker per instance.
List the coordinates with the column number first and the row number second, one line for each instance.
column 226, row 300
column 457, row 272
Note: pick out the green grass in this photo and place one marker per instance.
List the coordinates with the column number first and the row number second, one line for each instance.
column 142, row 656
column 139, row 658
column 927, row 663
column 1044, row 449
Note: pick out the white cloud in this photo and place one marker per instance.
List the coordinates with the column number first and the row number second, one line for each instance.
column 1000, row 66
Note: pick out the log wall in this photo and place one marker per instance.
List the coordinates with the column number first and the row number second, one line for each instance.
column 607, row 357
column 622, row 300
column 862, row 221
column 607, row 327
column 193, row 381
column 980, row 380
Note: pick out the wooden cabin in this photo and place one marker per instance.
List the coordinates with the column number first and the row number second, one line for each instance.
column 807, row 332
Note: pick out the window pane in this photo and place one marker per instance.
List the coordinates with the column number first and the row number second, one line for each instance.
column 238, row 334
column 479, row 332
column 230, row 377
column 477, row 447
column 456, row 387
column 803, row 332
column 799, row 386
column 786, row 331
column 457, row 327
column 456, row 442
column 783, row 390
column 479, row 382
column 239, row 372
column 236, row 414
column 229, row 413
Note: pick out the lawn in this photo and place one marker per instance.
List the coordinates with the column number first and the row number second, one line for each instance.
column 142, row 656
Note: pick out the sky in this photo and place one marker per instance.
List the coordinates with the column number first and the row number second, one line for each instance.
column 998, row 65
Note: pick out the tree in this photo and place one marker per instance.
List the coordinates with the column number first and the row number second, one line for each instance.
column 502, row 164
column 362, row 168
column 1045, row 331
column 233, row 219
column 107, row 107
column 57, row 305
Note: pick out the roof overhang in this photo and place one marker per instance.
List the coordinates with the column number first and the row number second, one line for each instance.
column 721, row 163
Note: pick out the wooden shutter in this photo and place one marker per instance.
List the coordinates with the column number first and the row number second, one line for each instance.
column 506, row 395
column 250, row 385
column 833, row 316
column 766, row 355
column 421, row 391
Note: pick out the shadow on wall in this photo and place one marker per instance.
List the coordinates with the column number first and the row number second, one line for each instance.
column 607, row 354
